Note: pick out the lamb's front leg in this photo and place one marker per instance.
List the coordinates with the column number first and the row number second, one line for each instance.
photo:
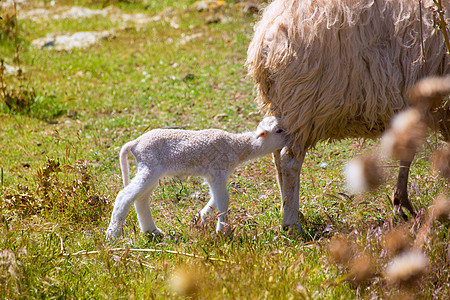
column 219, row 199
column 207, row 209
column 288, row 171
column 277, row 160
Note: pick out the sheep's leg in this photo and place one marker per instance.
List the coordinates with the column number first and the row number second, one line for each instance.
column 288, row 169
column 400, row 198
column 219, row 199
column 139, row 187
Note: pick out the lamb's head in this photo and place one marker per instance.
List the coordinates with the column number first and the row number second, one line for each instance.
column 270, row 135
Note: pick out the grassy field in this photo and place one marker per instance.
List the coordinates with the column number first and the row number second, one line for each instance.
column 72, row 110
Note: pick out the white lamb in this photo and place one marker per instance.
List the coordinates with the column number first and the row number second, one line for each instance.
column 212, row 154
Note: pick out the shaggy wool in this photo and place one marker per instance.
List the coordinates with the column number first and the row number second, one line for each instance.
column 335, row 69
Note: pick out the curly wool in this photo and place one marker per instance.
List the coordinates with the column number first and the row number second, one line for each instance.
column 335, row 69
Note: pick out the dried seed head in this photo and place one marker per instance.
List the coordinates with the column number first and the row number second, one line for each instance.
column 7, row 258
column 406, row 269
column 440, row 210
column 441, row 162
column 361, row 269
column 8, row 263
column 185, row 281
column 363, row 174
column 339, row 250
column 397, row 241
column 407, row 133
column 429, row 93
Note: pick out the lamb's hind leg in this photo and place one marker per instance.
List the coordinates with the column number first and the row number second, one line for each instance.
column 139, row 187
column 144, row 213
column 400, row 198
column 288, row 172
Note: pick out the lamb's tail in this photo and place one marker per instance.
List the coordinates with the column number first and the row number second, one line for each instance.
column 124, row 162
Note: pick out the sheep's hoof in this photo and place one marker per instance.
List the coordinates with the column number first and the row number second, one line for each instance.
column 400, row 201
column 397, row 210
column 296, row 229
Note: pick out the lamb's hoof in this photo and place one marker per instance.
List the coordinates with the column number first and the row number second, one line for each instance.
column 113, row 233
column 203, row 216
column 155, row 234
column 200, row 218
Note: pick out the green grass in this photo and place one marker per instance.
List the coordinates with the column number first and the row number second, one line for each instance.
column 89, row 102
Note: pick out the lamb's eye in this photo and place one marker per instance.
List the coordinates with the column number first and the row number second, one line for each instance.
column 279, row 131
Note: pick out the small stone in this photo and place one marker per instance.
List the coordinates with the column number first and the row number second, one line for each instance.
column 220, row 117
column 188, row 76
column 323, row 165
column 213, row 20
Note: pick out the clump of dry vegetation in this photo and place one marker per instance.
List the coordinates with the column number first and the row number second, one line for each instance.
column 15, row 92
column 8, row 21
column 19, row 98
column 408, row 258
column 396, row 259
column 63, row 190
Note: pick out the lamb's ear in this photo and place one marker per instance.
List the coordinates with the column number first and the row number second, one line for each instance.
column 261, row 134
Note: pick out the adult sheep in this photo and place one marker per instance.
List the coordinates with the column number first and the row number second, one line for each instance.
column 337, row 69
